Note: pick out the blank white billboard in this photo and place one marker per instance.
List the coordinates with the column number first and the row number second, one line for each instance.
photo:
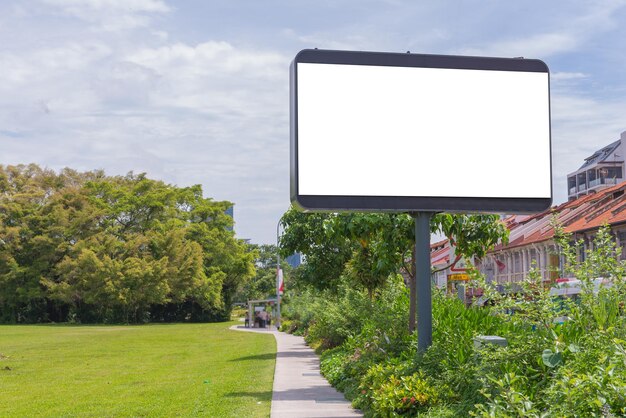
column 390, row 131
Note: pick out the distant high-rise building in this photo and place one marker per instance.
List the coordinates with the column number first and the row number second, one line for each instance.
column 230, row 212
column 294, row 260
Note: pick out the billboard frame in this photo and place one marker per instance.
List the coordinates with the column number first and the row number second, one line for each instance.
column 336, row 203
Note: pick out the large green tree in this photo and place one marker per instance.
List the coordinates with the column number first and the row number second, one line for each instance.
column 91, row 247
column 369, row 247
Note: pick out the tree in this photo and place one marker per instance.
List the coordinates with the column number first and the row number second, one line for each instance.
column 263, row 284
column 369, row 247
column 125, row 248
column 326, row 251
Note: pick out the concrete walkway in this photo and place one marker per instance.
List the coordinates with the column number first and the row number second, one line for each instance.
column 299, row 388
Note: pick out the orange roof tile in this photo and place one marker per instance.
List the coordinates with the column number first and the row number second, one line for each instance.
column 585, row 213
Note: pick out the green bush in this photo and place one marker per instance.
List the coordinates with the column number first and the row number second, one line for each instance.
column 328, row 319
column 594, row 381
column 238, row 312
column 510, row 400
column 338, row 319
column 288, row 326
column 392, row 390
column 333, row 364
column 301, row 310
column 550, row 367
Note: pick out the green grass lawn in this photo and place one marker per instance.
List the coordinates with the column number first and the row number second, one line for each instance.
column 148, row 370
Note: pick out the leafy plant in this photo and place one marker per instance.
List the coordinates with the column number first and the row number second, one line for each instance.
column 563, row 357
column 394, row 390
column 509, row 401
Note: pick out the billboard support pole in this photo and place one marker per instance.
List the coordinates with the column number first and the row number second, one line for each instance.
column 422, row 281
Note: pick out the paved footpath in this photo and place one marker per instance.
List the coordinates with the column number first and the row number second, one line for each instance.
column 299, row 388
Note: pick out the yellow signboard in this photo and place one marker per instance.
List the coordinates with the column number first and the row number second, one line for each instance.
column 458, row 277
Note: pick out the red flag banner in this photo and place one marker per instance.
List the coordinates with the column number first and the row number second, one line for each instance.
column 281, row 282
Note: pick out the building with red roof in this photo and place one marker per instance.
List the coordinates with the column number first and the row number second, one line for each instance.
column 531, row 240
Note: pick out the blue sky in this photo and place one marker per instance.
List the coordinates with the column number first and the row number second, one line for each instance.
column 197, row 91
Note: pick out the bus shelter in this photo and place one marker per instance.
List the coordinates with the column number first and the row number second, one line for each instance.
column 253, row 303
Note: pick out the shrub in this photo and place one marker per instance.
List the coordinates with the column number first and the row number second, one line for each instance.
column 333, row 363
column 301, row 310
column 288, row 326
column 392, row 390
column 594, row 381
column 549, row 368
column 509, row 402
column 337, row 319
column 329, row 319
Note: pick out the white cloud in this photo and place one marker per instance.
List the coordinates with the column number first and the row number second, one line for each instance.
column 81, row 7
column 215, row 78
column 563, row 33
column 539, row 45
column 211, row 113
column 580, row 126
column 24, row 67
column 565, row 76
column 111, row 15
column 332, row 41
column 208, row 57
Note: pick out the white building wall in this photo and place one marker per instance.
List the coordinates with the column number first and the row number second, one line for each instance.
column 541, row 253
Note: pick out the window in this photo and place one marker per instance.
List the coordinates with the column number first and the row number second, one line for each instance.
column 517, row 263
